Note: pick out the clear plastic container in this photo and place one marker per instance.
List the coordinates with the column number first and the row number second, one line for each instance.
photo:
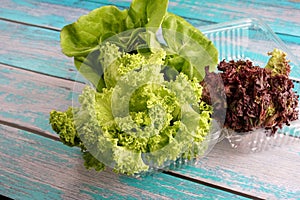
column 252, row 39
column 180, row 150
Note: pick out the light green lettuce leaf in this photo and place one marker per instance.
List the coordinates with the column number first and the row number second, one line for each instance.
column 128, row 84
column 63, row 124
column 278, row 63
column 147, row 13
column 83, row 36
column 143, row 121
column 126, row 62
column 128, row 162
column 151, row 141
column 189, row 50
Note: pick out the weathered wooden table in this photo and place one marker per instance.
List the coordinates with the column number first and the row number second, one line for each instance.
column 35, row 77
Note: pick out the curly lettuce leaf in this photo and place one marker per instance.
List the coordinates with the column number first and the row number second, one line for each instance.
column 141, row 120
column 128, row 162
column 162, row 122
column 190, row 131
column 128, row 84
column 97, row 130
column 90, row 162
column 124, row 63
column 63, row 124
column 278, row 63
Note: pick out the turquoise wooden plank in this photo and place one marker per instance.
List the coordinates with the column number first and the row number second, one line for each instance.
column 38, row 49
column 28, row 97
column 39, row 14
column 208, row 11
column 16, row 99
column 35, row 49
column 51, row 13
column 227, row 10
column 34, row 167
column 271, row 174
column 60, row 14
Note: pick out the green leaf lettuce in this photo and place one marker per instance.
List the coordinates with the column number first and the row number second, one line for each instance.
column 143, row 108
column 142, row 121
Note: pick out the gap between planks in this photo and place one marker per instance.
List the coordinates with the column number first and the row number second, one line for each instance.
column 204, row 182
column 41, row 73
column 59, row 29
column 48, row 135
column 30, row 24
column 54, row 137
column 32, row 129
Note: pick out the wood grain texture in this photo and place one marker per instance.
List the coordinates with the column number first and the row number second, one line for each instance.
column 198, row 13
column 38, row 49
column 29, row 169
column 282, row 16
column 27, row 97
column 35, row 49
column 208, row 10
column 271, row 174
column 60, row 14
column 34, row 167
column 48, row 13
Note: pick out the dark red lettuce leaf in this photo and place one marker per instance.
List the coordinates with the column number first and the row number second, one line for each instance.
column 255, row 98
